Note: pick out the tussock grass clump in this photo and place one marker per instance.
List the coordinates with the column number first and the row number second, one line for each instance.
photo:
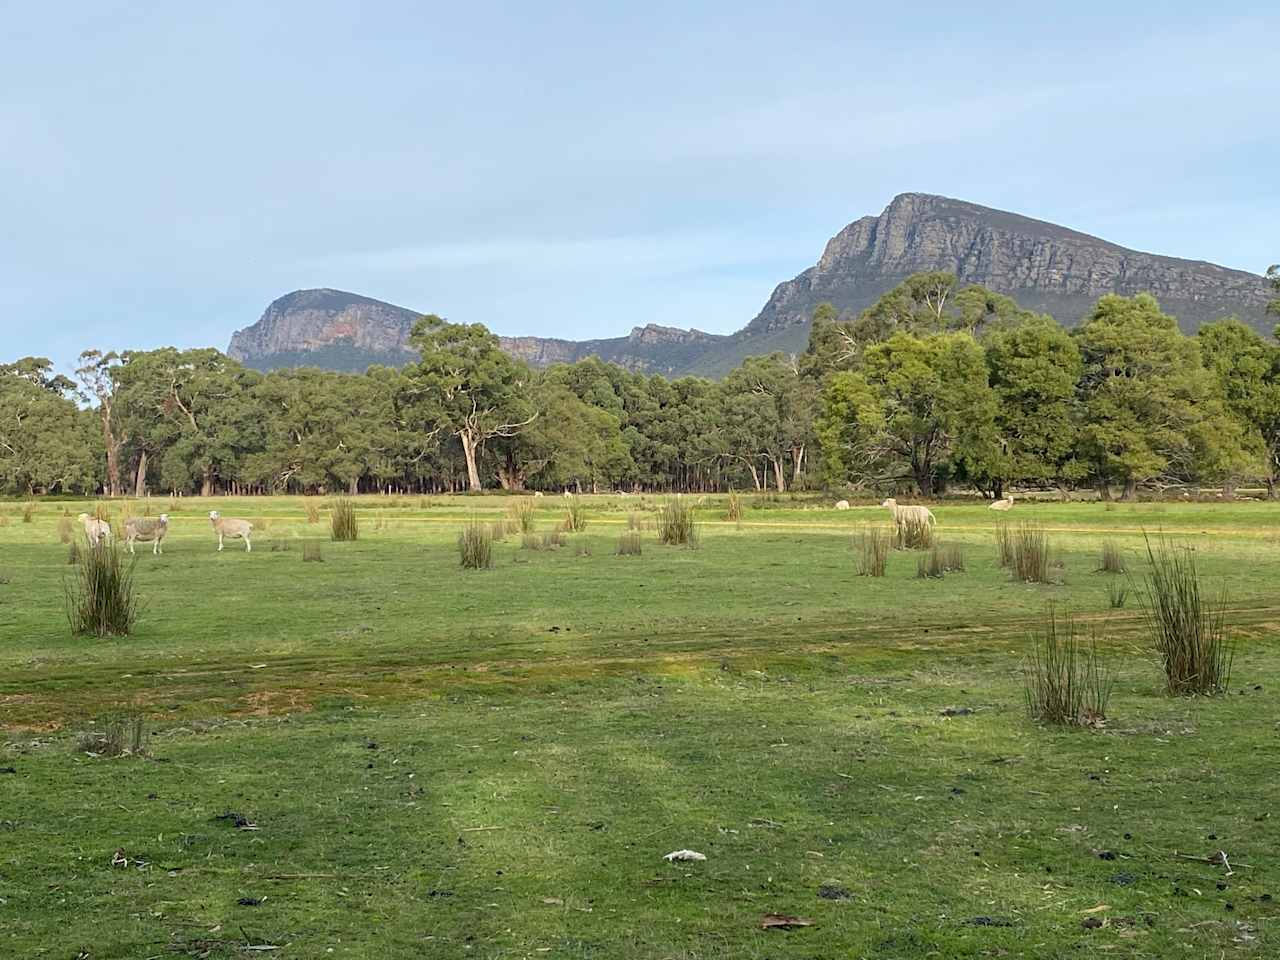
column 119, row 737
column 629, row 544
column 278, row 546
column 1064, row 681
column 521, row 514
column 871, row 548
column 1004, row 543
column 733, row 507
column 312, row 552
column 343, row 524
column 575, row 517
column 913, row 534
column 73, row 553
column 102, row 511
column 4, row 521
column 1112, row 558
column 1186, row 626
column 475, row 546
column 1117, row 593
column 312, row 510
column 552, row 539
column 29, row 512
column 636, row 521
column 676, row 525
column 498, row 530
column 66, row 530
column 1030, row 553
column 101, row 600
column 939, row 561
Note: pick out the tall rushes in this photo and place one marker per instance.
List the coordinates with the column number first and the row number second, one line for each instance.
column 575, row 517
column 912, row 533
column 939, row 561
column 1112, row 559
column 871, row 551
column 629, row 544
column 521, row 514
column 312, row 510
column 1064, row 681
column 343, row 525
column 1004, row 543
column 1030, row 553
column 676, row 526
column 733, row 507
column 1186, row 626
column 475, row 546
column 100, row 596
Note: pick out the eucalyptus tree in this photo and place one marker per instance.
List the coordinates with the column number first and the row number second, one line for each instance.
column 47, row 443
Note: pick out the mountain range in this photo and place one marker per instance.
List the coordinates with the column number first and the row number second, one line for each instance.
column 1045, row 267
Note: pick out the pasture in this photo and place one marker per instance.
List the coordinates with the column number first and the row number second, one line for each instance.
column 383, row 754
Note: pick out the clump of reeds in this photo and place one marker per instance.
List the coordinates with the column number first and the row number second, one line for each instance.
column 475, row 546
column 1112, row 558
column 552, row 539
column 73, row 553
column 102, row 511
column 29, row 512
column 676, row 525
column 119, row 737
column 66, row 530
column 871, row 551
column 575, row 517
column 343, row 524
column 312, row 552
column 1186, row 626
column 1117, row 593
column 1030, row 553
column 312, row 510
column 939, row 561
column 498, row 530
column 629, row 544
column 521, row 514
column 1064, row 681
column 1004, row 543
column 733, row 507
column 100, row 596
column 636, row 521
column 278, row 546
column 913, row 534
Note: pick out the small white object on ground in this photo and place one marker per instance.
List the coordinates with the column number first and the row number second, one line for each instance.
column 675, row 855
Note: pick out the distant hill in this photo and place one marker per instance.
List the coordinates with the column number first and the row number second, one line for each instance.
column 1047, row 268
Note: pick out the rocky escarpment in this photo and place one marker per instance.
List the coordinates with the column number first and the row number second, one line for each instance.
column 326, row 328
column 1045, row 267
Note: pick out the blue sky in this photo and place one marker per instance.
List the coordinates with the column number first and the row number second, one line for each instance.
column 578, row 169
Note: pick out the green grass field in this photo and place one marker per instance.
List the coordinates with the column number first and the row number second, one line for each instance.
column 449, row 763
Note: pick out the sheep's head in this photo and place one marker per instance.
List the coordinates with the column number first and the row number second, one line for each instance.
column 213, row 514
column 164, row 518
column 83, row 517
column 889, row 502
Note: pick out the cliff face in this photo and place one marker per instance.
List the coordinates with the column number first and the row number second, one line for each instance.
column 329, row 328
column 1046, row 268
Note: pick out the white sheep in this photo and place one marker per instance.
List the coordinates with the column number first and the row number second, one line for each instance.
column 146, row 530
column 1002, row 505
column 226, row 527
column 909, row 514
column 96, row 530
column 842, row 504
column 537, row 493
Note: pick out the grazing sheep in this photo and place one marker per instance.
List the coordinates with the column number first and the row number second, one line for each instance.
column 909, row 514
column 537, row 493
column 842, row 504
column 1002, row 505
column 96, row 530
column 226, row 527
column 146, row 530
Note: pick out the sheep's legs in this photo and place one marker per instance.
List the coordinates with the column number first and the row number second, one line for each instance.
column 219, row 543
column 248, row 547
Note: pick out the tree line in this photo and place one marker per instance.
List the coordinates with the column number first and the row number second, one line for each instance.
column 937, row 385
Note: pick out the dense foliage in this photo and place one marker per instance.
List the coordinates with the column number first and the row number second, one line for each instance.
column 936, row 385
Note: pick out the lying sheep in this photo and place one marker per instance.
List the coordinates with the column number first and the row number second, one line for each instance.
column 909, row 514
column 96, row 530
column 842, row 504
column 1002, row 505
column 226, row 527
column 146, row 530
